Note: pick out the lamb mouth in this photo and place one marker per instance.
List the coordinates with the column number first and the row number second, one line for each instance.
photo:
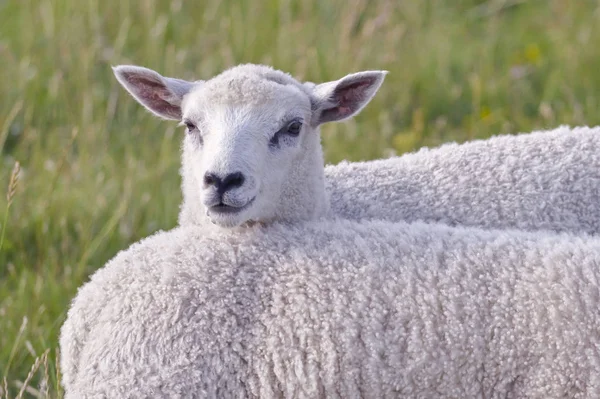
column 222, row 208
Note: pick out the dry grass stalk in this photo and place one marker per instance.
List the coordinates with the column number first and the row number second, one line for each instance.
column 10, row 194
column 12, row 184
column 38, row 362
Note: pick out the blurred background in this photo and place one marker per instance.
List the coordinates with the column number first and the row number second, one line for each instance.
column 97, row 172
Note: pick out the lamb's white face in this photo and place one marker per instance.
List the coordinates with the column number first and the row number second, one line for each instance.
column 252, row 150
column 241, row 146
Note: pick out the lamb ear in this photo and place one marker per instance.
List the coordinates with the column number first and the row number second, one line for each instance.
column 161, row 95
column 341, row 99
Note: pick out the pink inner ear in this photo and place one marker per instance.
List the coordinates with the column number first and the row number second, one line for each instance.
column 354, row 92
column 348, row 98
column 344, row 110
column 153, row 93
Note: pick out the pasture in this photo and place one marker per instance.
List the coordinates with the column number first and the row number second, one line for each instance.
column 98, row 173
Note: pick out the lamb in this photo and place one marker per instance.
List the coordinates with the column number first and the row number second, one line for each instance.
column 547, row 180
column 543, row 180
column 335, row 308
column 280, row 299
column 252, row 152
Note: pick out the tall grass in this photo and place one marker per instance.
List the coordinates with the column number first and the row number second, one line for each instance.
column 98, row 172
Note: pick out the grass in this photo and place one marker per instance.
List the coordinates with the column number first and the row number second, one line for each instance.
column 98, row 172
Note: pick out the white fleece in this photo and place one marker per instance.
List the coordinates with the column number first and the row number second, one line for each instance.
column 340, row 309
column 542, row 180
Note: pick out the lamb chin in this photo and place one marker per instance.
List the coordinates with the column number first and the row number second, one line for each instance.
column 227, row 220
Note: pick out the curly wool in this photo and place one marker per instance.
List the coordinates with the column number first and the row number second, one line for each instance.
column 340, row 309
column 542, row 180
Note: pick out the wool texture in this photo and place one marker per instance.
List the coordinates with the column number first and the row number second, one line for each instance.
column 337, row 308
column 547, row 180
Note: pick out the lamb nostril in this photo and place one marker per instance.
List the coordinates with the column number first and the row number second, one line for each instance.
column 232, row 180
column 211, row 180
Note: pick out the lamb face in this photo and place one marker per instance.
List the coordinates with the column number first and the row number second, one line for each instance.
column 250, row 148
column 252, row 151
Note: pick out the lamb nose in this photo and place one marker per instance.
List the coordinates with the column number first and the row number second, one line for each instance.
column 231, row 181
column 210, row 179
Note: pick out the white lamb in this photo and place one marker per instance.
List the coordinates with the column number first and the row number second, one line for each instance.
column 252, row 152
column 547, row 180
column 322, row 308
column 543, row 180
column 339, row 309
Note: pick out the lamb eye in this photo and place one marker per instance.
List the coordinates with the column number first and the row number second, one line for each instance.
column 294, row 128
column 190, row 126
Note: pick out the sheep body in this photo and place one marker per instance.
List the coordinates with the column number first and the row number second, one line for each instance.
column 340, row 309
column 542, row 180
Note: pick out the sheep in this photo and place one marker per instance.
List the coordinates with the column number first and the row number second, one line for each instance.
column 336, row 308
column 252, row 152
column 546, row 180
column 279, row 298
column 543, row 180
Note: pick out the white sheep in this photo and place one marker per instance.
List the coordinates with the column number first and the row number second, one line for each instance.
column 320, row 308
column 543, row 180
column 252, row 152
column 339, row 309
column 546, row 180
